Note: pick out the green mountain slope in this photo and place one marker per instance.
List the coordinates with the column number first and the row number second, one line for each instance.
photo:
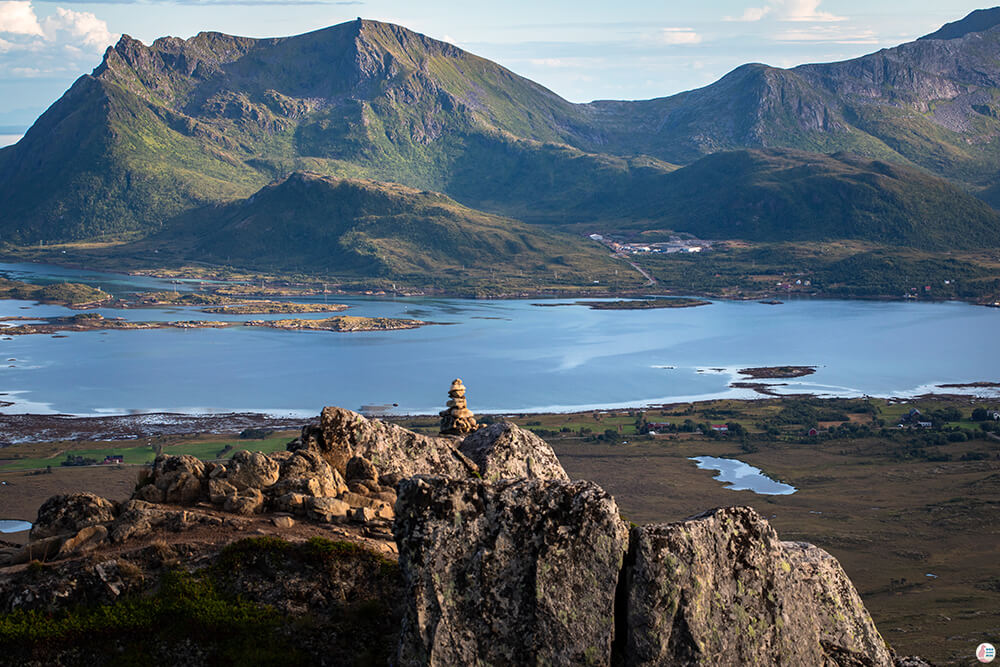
column 932, row 103
column 783, row 195
column 359, row 229
column 158, row 131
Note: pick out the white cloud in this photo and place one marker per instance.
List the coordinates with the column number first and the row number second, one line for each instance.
column 750, row 14
column 788, row 10
column 802, row 10
column 678, row 36
column 828, row 34
column 65, row 42
column 18, row 18
column 81, row 28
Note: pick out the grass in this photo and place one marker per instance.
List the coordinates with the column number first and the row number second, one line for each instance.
column 27, row 456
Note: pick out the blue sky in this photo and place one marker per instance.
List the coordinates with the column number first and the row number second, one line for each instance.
column 583, row 50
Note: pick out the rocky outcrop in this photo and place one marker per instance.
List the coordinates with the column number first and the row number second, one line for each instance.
column 395, row 452
column 518, row 566
column 140, row 519
column 174, row 479
column 721, row 588
column 517, row 572
column 505, row 451
column 66, row 514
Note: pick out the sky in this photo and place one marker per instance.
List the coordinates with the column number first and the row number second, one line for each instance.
column 582, row 50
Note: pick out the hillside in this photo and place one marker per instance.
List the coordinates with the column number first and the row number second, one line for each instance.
column 783, row 195
column 348, row 229
column 157, row 132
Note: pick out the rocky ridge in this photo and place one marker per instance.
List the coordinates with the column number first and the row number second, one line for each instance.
column 501, row 559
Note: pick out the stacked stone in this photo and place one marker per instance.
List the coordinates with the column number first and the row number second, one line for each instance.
column 457, row 419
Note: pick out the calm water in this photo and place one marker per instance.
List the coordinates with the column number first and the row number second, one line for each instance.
column 512, row 356
column 739, row 476
column 13, row 525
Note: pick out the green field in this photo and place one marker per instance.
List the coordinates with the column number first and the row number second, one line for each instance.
column 29, row 457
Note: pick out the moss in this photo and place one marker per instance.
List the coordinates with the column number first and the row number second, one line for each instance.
column 184, row 606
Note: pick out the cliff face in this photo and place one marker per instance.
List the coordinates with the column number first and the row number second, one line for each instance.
column 501, row 559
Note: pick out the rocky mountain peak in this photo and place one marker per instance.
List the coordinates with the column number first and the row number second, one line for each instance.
column 979, row 20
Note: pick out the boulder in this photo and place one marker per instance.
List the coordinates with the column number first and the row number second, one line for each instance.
column 513, row 573
column 359, row 468
column 291, row 502
column 85, row 540
column 182, row 479
column 358, row 488
column 328, row 509
column 505, row 451
column 63, row 514
column 139, row 519
column 219, row 490
column 246, row 502
column 43, row 549
column 252, row 470
column 721, row 588
column 308, row 473
column 392, row 450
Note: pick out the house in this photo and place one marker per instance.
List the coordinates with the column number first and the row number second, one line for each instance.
column 721, row 428
column 112, row 459
column 657, row 427
column 925, row 424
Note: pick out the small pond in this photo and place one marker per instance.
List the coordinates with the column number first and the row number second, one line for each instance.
column 739, row 476
column 14, row 525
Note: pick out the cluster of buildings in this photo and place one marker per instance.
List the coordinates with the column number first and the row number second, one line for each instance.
column 674, row 244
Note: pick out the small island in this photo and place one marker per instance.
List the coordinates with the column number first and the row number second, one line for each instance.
column 777, row 372
column 97, row 322
column 274, row 308
column 634, row 304
column 72, row 295
column 341, row 323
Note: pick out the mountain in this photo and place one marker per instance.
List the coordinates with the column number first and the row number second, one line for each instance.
column 786, row 195
column 930, row 103
column 359, row 229
column 156, row 132
column 977, row 21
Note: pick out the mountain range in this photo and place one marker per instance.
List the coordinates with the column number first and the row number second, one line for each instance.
column 890, row 148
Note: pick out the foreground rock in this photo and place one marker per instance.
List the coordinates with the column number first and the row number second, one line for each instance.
column 520, row 572
column 720, row 588
column 504, row 451
column 65, row 514
column 395, row 452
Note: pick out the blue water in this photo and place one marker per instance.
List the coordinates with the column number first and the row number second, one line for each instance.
column 513, row 356
column 14, row 525
column 739, row 476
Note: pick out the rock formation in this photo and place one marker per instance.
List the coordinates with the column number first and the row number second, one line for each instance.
column 505, row 451
column 457, row 419
column 513, row 573
column 720, row 588
column 395, row 452
column 502, row 559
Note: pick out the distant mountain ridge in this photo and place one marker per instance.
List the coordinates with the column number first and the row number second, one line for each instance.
column 162, row 130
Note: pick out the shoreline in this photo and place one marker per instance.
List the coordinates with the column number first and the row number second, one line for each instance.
column 581, row 291
column 160, row 422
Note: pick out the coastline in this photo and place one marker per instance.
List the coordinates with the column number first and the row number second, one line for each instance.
column 301, row 286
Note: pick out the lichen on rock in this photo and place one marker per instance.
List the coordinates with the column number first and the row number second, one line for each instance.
column 513, row 573
column 721, row 588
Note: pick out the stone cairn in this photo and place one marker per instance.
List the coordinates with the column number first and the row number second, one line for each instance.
column 457, row 419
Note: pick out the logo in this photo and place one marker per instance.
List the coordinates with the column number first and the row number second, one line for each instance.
column 986, row 652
